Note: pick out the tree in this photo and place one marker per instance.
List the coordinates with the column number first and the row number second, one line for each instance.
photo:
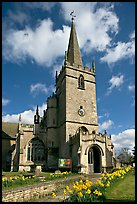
column 125, row 157
column 133, row 157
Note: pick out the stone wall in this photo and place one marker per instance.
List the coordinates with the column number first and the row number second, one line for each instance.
column 27, row 193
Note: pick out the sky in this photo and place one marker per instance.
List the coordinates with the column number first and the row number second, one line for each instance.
column 35, row 37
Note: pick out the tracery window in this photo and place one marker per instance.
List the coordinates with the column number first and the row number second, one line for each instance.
column 81, row 83
column 35, row 150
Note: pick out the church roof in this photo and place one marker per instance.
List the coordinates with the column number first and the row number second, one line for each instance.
column 73, row 52
column 9, row 130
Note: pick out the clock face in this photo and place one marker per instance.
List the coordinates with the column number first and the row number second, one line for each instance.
column 81, row 112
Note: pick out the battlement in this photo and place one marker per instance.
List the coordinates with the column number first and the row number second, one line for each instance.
column 51, row 96
column 78, row 68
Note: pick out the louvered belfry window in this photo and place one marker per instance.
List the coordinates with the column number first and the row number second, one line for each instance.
column 81, row 84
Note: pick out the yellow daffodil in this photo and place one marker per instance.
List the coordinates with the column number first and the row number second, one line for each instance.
column 53, row 195
column 108, row 184
column 81, row 182
column 3, row 179
column 99, row 193
column 88, row 183
column 103, row 175
column 67, row 188
column 96, row 192
column 80, row 194
column 88, row 191
column 70, row 191
column 65, row 192
column 23, row 178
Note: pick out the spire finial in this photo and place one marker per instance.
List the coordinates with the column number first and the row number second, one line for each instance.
column 72, row 15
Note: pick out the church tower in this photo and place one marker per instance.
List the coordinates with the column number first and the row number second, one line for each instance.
column 76, row 96
column 69, row 126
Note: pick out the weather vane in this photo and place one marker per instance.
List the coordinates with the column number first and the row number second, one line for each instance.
column 72, row 15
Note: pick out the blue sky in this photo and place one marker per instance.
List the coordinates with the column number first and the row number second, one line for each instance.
column 34, row 39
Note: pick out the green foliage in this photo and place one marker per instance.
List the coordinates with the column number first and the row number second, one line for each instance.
column 54, row 176
column 18, row 181
column 125, row 156
column 133, row 158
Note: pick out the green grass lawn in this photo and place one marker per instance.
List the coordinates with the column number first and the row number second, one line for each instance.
column 123, row 190
column 18, row 183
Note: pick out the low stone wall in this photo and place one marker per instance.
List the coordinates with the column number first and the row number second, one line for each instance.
column 41, row 190
column 27, row 193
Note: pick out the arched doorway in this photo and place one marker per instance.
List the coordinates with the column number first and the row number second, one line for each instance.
column 94, row 160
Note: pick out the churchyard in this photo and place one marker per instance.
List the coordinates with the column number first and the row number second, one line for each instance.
column 69, row 187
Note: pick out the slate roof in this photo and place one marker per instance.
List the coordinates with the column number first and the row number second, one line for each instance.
column 9, row 130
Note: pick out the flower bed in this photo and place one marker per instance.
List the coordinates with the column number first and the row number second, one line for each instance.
column 85, row 191
column 18, row 181
column 22, row 180
column 54, row 176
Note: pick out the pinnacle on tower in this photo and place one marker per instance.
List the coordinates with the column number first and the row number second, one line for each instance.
column 93, row 65
column 73, row 52
column 36, row 117
column 37, row 110
column 20, row 118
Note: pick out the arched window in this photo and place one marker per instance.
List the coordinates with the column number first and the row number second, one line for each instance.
column 35, row 150
column 90, row 155
column 81, row 84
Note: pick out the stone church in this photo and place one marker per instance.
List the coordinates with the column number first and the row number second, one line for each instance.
column 68, row 128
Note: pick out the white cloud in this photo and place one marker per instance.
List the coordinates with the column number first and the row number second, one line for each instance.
column 105, row 125
column 131, row 87
column 104, row 115
column 93, row 24
column 26, row 116
column 122, row 50
column 5, row 101
column 132, row 35
column 39, row 87
column 96, row 25
column 42, row 44
column 123, row 139
column 115, row 82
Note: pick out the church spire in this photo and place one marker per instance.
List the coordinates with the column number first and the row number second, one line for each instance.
column 73, row 53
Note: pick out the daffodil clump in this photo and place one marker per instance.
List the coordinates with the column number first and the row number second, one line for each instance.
column 18, row 181
column 53, row 176
column 108, row 179
column 85, row 191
